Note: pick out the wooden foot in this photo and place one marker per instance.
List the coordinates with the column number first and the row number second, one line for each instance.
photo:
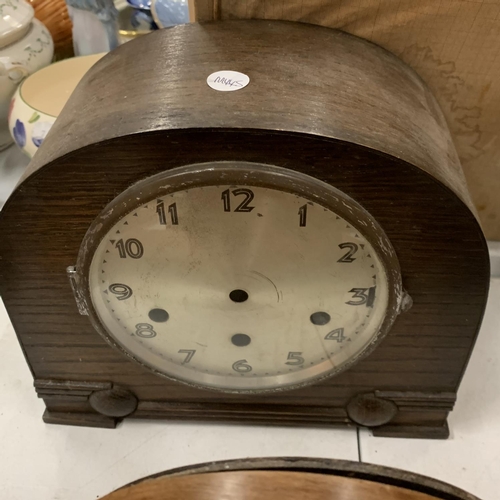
column 79, row 419
column 412, row 431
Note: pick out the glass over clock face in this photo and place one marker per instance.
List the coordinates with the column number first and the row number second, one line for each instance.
column 239, row 277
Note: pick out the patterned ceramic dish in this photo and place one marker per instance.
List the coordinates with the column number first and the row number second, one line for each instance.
column 25, row 47
column 54, row 15
column 41, row 97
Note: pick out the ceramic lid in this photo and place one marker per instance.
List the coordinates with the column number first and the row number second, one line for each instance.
column 15, row 20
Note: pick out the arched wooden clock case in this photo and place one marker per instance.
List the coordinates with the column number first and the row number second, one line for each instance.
column 322, row 107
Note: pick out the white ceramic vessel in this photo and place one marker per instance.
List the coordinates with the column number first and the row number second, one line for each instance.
column 41, row 97
column 25, row 47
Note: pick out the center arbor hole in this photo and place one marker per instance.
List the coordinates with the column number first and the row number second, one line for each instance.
column 320, row 318
column 240, row 339
column 158, row 315
column 238, row 295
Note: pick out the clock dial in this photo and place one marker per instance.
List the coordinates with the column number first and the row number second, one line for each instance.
column 239, row 287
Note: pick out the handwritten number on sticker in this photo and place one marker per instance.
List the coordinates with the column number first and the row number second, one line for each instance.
column 227, row 81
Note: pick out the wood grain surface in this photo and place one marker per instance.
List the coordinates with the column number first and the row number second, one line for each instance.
column 319, row 102
column 371, row 473
column 452, row 45
column 304, row 79
column 263, row 485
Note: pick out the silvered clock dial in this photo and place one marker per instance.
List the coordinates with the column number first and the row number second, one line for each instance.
column 239, row 277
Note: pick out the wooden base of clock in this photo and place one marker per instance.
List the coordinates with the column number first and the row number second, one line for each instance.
column 320, row 102
column 99, row 405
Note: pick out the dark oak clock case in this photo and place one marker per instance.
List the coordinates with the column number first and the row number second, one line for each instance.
column 320, row 102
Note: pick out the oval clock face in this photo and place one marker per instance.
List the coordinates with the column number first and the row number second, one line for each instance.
column 237, row 286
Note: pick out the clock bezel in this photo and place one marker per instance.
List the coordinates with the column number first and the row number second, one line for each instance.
column 247, row 174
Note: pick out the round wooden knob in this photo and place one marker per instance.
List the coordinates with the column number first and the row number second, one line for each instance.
column 370, row 411
column 114, row 402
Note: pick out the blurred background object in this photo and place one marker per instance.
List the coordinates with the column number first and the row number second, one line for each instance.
column 95, row 26
column 169, row 13
column 127, row 31
column 54, row 15
column 141, row 17
column 25, row 46
column 12, row 166
column 41, row 97
column 143, row 20
column 140, row 4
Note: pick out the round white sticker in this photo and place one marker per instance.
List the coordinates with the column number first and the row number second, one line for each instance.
column 227, row 81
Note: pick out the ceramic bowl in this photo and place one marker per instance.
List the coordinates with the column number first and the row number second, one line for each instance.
column 41, row 97
column 25, row 47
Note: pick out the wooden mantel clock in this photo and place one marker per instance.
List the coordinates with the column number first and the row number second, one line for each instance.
column 249, row 221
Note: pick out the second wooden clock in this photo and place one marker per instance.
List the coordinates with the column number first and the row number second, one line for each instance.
column 261, row 222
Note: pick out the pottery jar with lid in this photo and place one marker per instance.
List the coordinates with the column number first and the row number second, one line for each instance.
column 25, row 47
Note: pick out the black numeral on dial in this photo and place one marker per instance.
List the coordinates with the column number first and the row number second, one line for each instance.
column 122, row 292
column 303, row 216
column 189, row 355
column 130, row 248
column 364, row 296
column 244, row 205
column 348, row 257
column 145, row 330
column 295, row 359
column 242, row 366
column 172, row 211
column 337, row 334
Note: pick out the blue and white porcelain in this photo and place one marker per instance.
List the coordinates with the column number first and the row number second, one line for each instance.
column 168, row 13
column 142, row 20
column 140, row 4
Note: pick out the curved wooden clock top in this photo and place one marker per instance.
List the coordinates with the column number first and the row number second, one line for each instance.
column 303, row 79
